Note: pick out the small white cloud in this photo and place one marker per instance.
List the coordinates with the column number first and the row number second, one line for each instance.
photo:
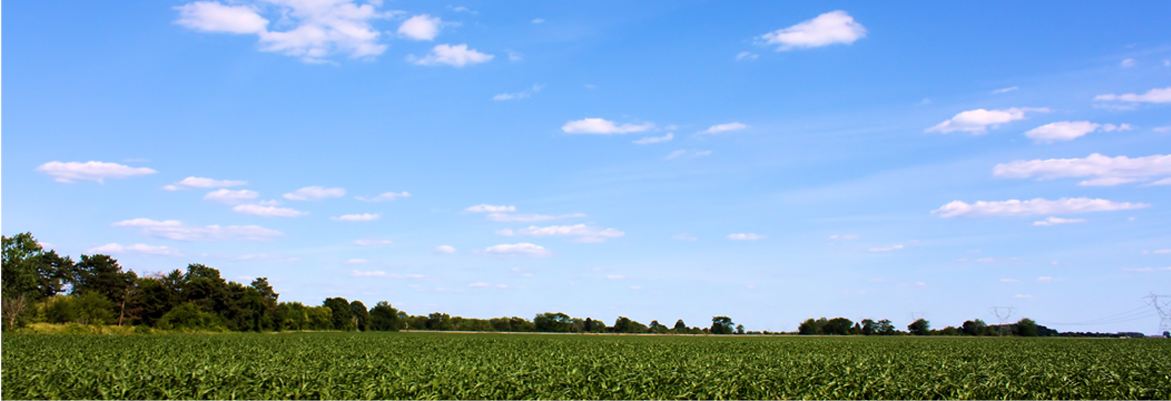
column 270, row 202
column 602, row 127
column 515, row 56
column 885, row 248
column 718, row 128
column 456, row 56
column 747, row 56
column 420, row 27
column 1005, row 90
column 315, row 193
column 357, row 217
column 1157, row 95
column 90, row 171
column 1127, row 63
column 615, row 277
column 356, row 261
column 462, row 9
column 1009, row 280
column 210, row 16
column 198, row 182
column 844, row 236
column 745, row 237
column 518, row 95
column 538, row 20
column 1156, row 252
column 521, row 249
column 1061, row 131
column 1033, row 207
column 1103, row 170
column 176, row 230
column 268, row 211
column 529, row 218
column 824, row 30
column 635, row 287
column 1044, row 278
column 687, row 154
column 683, row 237
column 1052, row 221
column 373, row 242
column 586, row 233
column 448, row 249
column 379, row 273
column 979, row 120
column 655, row 139
column 1167, row 63
column 389, row 196
column 227, row 196
column 485, row 208
column 479, row 285
column 142, row 249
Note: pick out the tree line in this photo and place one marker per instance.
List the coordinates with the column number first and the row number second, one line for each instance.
column 40, row 286
column 922, row 327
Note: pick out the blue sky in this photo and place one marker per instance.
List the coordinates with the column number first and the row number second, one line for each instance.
column 656, row 160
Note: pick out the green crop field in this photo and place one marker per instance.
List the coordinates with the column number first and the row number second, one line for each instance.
column 532, row 366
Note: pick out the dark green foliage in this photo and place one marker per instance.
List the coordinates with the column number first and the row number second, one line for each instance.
column 1025, row 327
column 360, row 316
column 384, row 317
column 486, row 366
column 189, row 317
column 340, row 313
column 975, row 328
column 920, row 327
column 721, row 325
column 553, row 322
column 625, row 325
column 837, row 326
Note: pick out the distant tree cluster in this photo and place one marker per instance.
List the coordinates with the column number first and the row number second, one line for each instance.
column 42, row 286
column 921, row 327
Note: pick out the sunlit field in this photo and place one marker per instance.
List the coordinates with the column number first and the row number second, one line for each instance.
column 575, row 366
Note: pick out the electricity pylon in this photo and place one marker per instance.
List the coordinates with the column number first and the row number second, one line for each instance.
column 1163, row 306
column 1003, row 313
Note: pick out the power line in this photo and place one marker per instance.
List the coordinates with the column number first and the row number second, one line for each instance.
column 1003, row 313
column 1163, row 306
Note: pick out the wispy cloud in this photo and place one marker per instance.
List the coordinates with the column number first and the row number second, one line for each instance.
column 140, row 249
column 176, row 230
column 373, row 242
column 1033, row 207
column 1052, row 221
column 448, row 249
column 682, row 153
column 486, row 208
column 583, row 232
column 521, row 249
column 979, row 120
column 824, row 30
column 90, row 171
column 1102, row 170
column 746, row 237
column 518, row 95
column 885, row 248
column 199, row 182
column 1157, row 95
column 1005, row 90
column 718, row 128
column 655, row 139
column 358, row 217
column 388, row 196
column 602, row 127
column 315, row 193
column 747, row 56
column 1070, row 130
column 455, row 56
column 268, row 211
column 227, row 196
column 530, row 218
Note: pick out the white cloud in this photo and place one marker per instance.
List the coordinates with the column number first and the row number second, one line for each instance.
column 456, row 56
column 420, row 27
column 114, row 249
column 538, row 20
column 615, row 277
column 1156, row 252
column 176, row 230
column 688, row 154
column 318, row 28
column 518, row 95
column 1165, row 181
column 1127, row 63
column 655, row 139
column 886, row 248
column 684, row 237
column 1009, row 280
column 197, row 182
column 844, row 236
column 372, row 242
column 356, row 261
column 1033, row 207
column 586, row 233
column 229, row 197
column 521, row 249
column 485, row 208
column 718, row 128
column 1052, row 221
column 1069, row 130
column 1044, row 278
column 529, row 218
column 747, row 56
column 603, row 127
column 210, row 16
column 1103, row 170
column 357, row 217
column 90, row 171
column 315, row 193
column 380, row 273
column 444, row 249
column 977, row 121
column 389, row 196
column 746, row 237
column 1005, row 90
column 268, row 211
column 1157, row 95
column 826, row 29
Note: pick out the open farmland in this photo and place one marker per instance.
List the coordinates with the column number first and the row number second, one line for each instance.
column 532, row 366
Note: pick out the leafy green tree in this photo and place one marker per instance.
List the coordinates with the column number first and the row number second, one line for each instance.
column 680, row 327
column 811, row 327
column 29, row 274
column 739, row 329
column 657, row 328
column 361, row 316
column 552, row 322
column 920, row 327
column 837, row 326
column 869, row 327
column 722, row 325
column 1025, row 327
column 974, row 328
column 384, row 317
column 190, row 317
column 886, row 328
column 440, row 321
column 94, row 308
column 340, row 313
column 61, row 309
